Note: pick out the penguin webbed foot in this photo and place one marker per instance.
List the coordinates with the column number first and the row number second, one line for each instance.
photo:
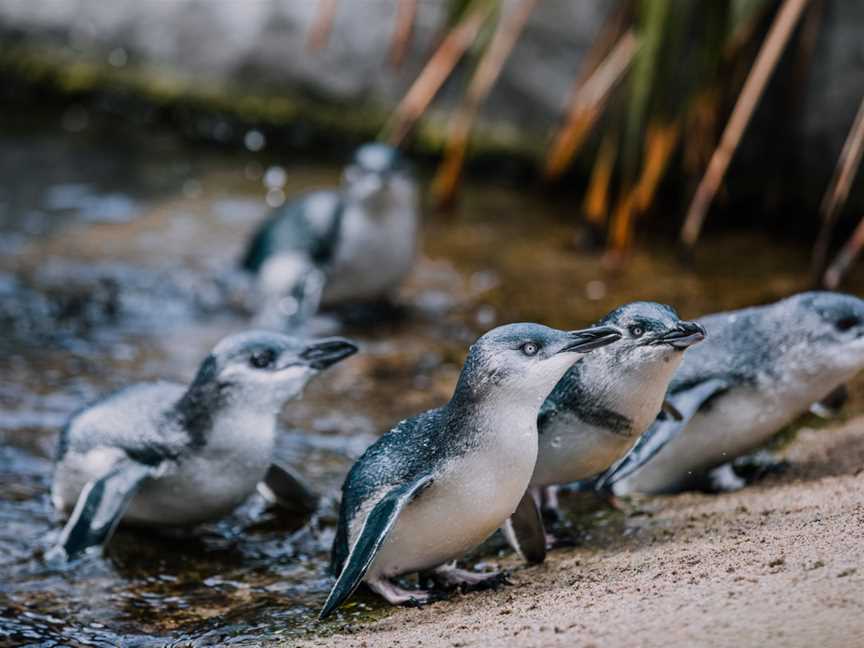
column 743, row 471
column 396, row 595
column 452, row 577
column 753, row 467
column 491, row 581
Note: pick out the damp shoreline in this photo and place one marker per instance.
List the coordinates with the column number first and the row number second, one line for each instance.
column 115, row 266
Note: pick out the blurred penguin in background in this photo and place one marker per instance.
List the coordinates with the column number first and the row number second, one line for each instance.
column 335, row 246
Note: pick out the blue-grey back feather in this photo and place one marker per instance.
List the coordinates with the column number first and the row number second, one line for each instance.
column 150, row 438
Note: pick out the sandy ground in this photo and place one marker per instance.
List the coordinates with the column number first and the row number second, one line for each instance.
column 780, row 563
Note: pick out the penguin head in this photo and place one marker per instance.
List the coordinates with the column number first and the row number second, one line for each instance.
column 822, row 334
column 653, row 339
column 265, row 369
column 523, row 362
column 375, row 167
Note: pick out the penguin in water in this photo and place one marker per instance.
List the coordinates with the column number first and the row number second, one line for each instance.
column 601, row 407
column 441, row 482
column 759, row 369
column 352, row 244
column 165, row 454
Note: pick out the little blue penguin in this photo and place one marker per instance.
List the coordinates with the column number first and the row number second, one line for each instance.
column 165, row 454
column 759, row 369
column 441, row 482
column 352, row 244
column 604, row 403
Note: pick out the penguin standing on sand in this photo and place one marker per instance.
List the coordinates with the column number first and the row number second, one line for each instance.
column 441, row 482
column 759, row 369
column 352, row 244
column 164, row 454
column 603, row 404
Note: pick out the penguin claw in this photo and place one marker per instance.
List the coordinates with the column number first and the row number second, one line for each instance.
column 427, row 598
column 495, row 581
column 492, row 582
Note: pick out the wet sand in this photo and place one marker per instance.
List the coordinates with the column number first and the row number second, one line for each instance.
column 778, row 563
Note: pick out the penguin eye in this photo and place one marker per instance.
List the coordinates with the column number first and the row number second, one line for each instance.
column 636, row 330
column 530, row 348
column 262, row 359
column 847, row 323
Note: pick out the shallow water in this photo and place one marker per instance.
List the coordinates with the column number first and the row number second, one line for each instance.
column 116, row 267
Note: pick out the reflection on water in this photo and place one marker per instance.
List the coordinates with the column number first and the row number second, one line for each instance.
column 116, row 267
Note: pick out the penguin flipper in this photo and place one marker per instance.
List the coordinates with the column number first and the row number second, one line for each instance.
column 281, row 487
column 525, row 532
column 377, row 525
column 687, row 403
column 99, row 508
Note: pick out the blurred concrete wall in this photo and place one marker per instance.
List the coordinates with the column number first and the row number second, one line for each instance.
column 262, row 45
column 834, row 92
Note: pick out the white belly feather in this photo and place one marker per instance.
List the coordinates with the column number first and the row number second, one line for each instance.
column 374, row 255
column 201, row 486
column 733, row 425
column 571, row 449
column 213, row 482
column 470, row 497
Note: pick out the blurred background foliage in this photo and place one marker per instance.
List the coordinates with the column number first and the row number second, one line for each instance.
column 666, row 98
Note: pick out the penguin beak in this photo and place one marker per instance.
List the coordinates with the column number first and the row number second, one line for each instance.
column 325, row 353
column 591, row 338
column 684, row 335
